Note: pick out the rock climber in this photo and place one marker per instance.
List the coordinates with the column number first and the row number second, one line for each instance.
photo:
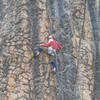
column 52, row 47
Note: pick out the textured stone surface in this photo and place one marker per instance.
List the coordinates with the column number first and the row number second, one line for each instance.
column 94, row 9
column 84, row 49
column 24, row 24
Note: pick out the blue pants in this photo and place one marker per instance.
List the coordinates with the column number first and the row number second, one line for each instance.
column 54, row 65
column 40, row 50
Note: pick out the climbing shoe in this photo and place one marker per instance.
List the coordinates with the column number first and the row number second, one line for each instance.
column 54, row 70
column 53, row 66
column 36, row 54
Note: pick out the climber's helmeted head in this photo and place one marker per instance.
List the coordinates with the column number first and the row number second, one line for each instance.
column 51, row 37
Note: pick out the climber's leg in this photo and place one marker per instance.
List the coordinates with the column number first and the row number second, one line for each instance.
column 54, row 66
column 53, row 62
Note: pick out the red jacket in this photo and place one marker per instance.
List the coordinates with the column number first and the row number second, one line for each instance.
column 54, row 44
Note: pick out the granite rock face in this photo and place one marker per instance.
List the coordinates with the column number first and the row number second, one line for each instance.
column 24, row 24
column 94, row 9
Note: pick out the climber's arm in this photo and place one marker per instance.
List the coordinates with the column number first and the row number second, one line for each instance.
column 45, row 45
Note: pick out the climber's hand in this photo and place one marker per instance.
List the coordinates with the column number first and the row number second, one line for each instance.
column 41, row 44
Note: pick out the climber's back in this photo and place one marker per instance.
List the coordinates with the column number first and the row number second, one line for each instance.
column 52, row 43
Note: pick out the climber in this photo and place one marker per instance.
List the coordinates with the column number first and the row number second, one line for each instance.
column 52, row 47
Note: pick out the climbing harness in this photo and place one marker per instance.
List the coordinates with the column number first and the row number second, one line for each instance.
column 51, row 51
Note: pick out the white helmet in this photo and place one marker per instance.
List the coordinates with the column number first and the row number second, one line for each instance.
column 51, row 37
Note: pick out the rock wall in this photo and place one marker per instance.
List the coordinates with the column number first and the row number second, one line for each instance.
column 84, row 51
column 16, row 71
column 24, row 25
column 94, row 9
